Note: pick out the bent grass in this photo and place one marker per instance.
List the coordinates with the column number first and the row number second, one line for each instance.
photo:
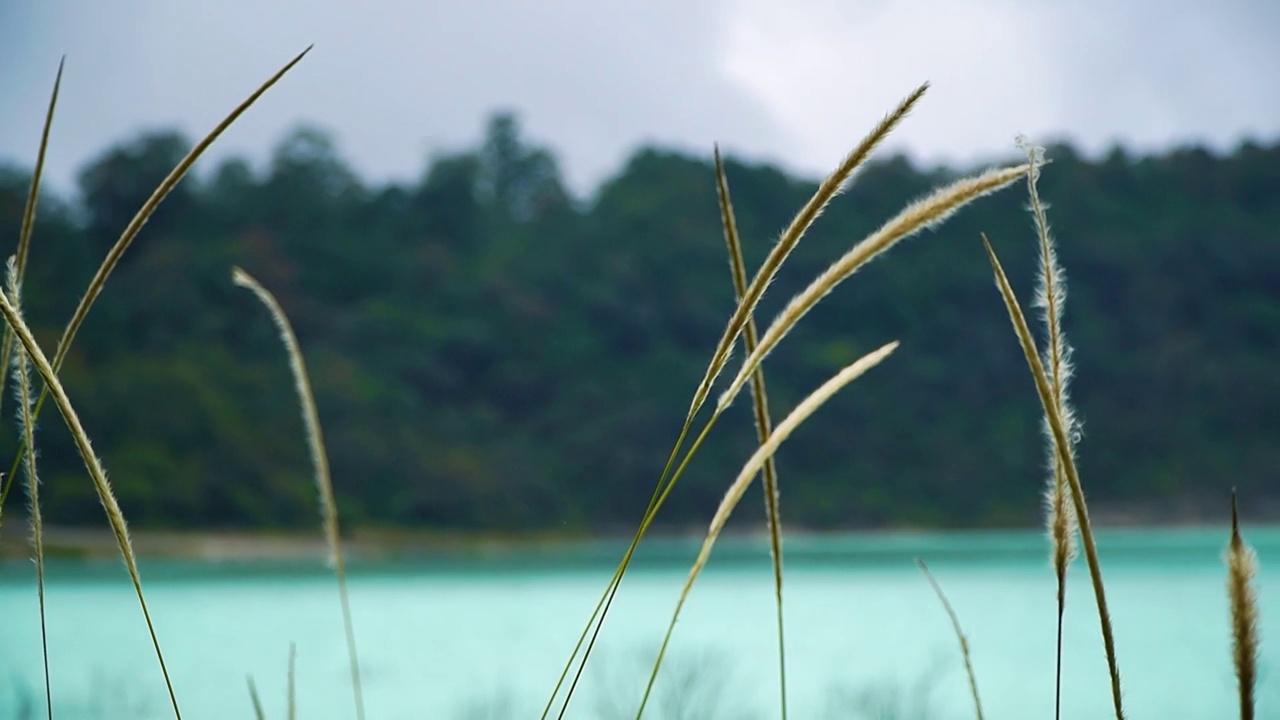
column 1050, row 370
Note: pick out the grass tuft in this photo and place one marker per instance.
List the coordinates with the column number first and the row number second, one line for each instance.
column 320, row 463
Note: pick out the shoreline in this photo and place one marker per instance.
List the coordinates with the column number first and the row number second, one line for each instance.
column 372, row 544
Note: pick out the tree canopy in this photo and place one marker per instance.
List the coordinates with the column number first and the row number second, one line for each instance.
column 490, row 353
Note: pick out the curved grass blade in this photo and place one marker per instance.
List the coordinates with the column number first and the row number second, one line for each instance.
column 1063, row 444
column 752, row 468
column 135, row 225
column 1242, row 568
column 955, row 625
column 828, row 189
column 26, row 424
column 24, row 243
column 99, row 476
column 320, row 462
column 760, row 408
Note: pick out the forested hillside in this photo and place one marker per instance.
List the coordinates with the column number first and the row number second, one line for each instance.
column 491, row 353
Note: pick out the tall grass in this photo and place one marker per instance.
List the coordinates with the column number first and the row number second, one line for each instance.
column 1050, row 368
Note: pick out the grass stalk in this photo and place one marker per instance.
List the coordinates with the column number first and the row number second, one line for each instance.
column 320, row 463
column 96, row 472
column 1242, row 568
column 255, row 699
column 752, row 468
column 760, row 409
column 291, row 687
column 1051, row 296
column 960, row 636
column 135, row 226
column 927, row 212
column 1062, row 443
column 24, row 244
column 26, row 424
column 828, row 189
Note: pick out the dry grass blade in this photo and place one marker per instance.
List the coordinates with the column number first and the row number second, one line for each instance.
column 114, row 516
column 752, row 468
column 760, row 407
column 1051, row 296
column 24, row 243
column 1062, row 443
column 22, row 377
column 959, row 631
column 135, row 225
column 827, row 190
column 1242, row 568
column 149, row 207
column 926, row 212
column 257, row 701
column 320, row 461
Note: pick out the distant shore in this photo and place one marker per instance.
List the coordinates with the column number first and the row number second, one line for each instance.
column 376, row 543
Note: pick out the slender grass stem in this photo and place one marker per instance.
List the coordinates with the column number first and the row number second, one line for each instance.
column 320, row 463
column 760, row 409
column 1062, row 441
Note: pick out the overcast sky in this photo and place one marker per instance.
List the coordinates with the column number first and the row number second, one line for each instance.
column 795, row 83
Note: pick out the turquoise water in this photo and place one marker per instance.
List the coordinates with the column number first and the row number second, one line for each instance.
column 484, row 635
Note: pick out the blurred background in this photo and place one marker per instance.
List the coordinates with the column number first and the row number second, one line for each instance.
column 494, row 227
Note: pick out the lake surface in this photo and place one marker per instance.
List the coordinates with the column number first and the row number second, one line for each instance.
column 484, row 636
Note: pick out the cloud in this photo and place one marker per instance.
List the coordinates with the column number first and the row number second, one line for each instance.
column 797, row 83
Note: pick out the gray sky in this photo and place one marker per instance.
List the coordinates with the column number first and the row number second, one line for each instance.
column 795, row 83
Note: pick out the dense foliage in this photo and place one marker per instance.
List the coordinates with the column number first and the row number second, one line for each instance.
column 490, row 353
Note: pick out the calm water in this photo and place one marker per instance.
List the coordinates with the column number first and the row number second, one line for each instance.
column 485, row 636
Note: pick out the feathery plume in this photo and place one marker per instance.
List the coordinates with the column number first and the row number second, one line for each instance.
column 1242, row 568
column 927, row 212
column 1050, row 297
